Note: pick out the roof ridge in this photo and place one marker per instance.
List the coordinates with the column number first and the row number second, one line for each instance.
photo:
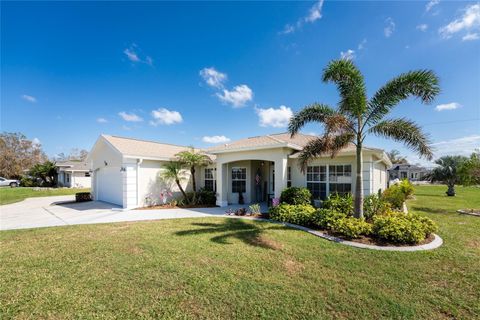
column 275, row 139
column 143, row 140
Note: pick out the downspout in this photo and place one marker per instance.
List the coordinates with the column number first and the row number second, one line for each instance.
column 139, row 162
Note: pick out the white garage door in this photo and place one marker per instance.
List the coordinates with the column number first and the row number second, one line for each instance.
column 109, row 185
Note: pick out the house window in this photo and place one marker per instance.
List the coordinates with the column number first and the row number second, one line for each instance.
column 239, row 180
column 210, row 179
column 317, row 181
column 340, row 179
column 289, row 177
column 87, row 174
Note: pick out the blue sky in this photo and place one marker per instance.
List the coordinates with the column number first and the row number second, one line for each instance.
column 197, row 73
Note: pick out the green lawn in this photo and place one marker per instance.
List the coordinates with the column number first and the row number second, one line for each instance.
column 221, row 268
column 11, row 195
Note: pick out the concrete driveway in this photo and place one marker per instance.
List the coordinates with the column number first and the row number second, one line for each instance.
column 50, row 211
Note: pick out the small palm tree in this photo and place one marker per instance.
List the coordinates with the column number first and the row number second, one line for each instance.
column 193, row 159
column 173, row 172
column 396, row 158
column 448, row 172
column 357, row 116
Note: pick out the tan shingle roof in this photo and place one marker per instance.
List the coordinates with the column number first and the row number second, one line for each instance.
column 298, row 142
column 72, row 165
column 143, row 148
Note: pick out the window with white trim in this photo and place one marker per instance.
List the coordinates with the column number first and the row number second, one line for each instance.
column 340, row 179
column 317, row 181
column 239, row 180
column 210, row 182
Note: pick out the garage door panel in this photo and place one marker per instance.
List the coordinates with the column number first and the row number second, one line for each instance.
column 109, row 183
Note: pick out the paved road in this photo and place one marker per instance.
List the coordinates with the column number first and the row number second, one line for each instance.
column 44, row 212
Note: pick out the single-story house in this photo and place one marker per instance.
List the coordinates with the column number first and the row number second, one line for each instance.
column 73, row 174
column 128, row 172
column 407, row 171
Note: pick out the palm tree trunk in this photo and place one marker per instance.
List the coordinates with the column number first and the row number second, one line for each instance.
column 359, row 184
column 194, row 184
column 181, row 189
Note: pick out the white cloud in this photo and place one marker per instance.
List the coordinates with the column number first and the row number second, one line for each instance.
column 470, row 37
column 133, row 54
column 422, row 27
column 131, row 117
column 470, row 20
column 448, row 106
column 348, row 55
column 213, row 77
column 388, row 30
column 165, row 116
column 463, row 146
column 272, row 117
column 28, row 98
column 102, row 120
column 362, row 44
column 431, row 4
column 215, row 139
column 237, row 97
column 36, row 142
column 313, row 15
column 315, row 12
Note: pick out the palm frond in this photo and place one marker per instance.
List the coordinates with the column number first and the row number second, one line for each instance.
column 314, row 112
column 406, row 131
column 350, row 83
column 423, row 84
column 327, row 144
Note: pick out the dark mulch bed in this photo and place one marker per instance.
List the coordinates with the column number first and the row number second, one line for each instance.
column 382, row 243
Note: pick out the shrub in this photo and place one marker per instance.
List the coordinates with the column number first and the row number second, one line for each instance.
column 83, row 196
column 351, row 227
column 325, row 218
column 374, row 205
column 403, row 228
column 395, row 196
column 255, row 209
column 297, row 214
column 295, row 195
column 407, row 188
column 206, row 197
column 343, row 204
column 28, row 182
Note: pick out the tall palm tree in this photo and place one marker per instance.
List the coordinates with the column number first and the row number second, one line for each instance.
column 193, row 159
column 357, row 116
column 173, row 171
column 448, row 172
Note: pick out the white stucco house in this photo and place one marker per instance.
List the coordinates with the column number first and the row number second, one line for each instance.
column 73, row 174
column 126, row 171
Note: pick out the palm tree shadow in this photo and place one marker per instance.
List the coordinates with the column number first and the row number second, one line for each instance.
column 249, row 233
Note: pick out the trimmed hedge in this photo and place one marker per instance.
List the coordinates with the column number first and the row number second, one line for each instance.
column 339, row 203
column 297, row 214
column 351, row 227
column 403, row 228
column 295, row 195
column 83, row 196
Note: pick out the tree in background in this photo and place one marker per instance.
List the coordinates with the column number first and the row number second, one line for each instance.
column 192, row 159
column 396, row 158
column 447, row 172
column 18, row 154
column 357, row 116
column 469, row 172
column 45, row 171
column 74, row 155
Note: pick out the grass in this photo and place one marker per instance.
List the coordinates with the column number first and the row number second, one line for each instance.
column 11, row 195
column 222, row 268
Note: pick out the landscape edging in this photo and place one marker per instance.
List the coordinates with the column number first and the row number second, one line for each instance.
column 435, row 243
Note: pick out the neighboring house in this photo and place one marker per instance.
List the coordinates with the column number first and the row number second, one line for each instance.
column 128, row 171
column 73, row 174
column 407, row 171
